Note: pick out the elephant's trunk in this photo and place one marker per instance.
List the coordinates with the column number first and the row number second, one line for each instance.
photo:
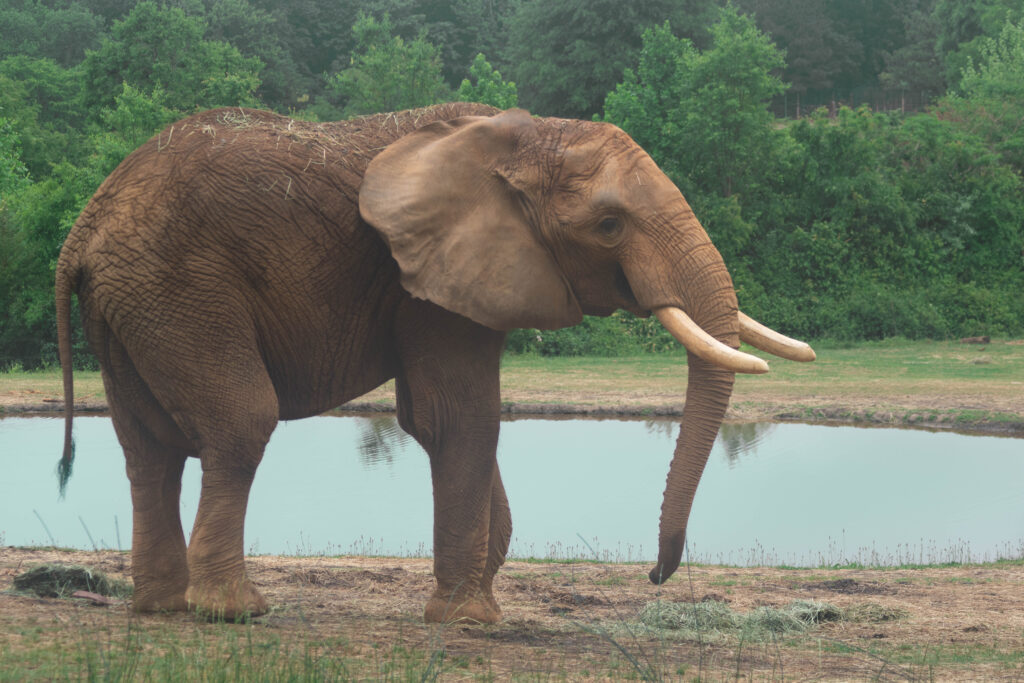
column 680, row 276
column 712, row 359
column 695, row 301
column 707, row 397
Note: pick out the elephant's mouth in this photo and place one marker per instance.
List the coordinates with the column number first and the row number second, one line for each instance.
column 623, row 289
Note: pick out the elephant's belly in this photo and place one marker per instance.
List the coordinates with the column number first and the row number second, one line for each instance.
column 312, row 388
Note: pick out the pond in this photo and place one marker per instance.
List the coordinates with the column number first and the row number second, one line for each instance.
column 771, row 494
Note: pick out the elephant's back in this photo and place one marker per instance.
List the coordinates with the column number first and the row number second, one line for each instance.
column 349, row 144
column 235, row 194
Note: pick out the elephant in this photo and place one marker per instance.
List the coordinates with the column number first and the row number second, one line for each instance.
column 243, row 267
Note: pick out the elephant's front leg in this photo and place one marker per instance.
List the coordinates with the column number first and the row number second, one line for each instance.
column 448, row 399
column 462, row 524
column 500, row 535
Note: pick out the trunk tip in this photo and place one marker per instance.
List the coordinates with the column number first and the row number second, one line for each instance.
column 668, row 560
column 660, row 574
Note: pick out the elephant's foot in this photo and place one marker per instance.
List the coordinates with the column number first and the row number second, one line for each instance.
column 229, row 601
column 445, row 607
column 148, row 599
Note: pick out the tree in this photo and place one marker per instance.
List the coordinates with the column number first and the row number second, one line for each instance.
column 257, row 34
column 483, row 25
column 62, row 33
column 965, row 199
column 460, row 29
column 13, row 178
column 316, row 39
column 42, row 101
column 489, row 87
column 387, row 73
column 13, row 174
column 991, row 98
column 867, row 30
column 162, row 48
column 915, row 65
column 965, row 25
column 565, row 56
column 703, row 117
column 815, row 52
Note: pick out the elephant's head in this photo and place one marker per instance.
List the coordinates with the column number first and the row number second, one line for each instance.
column 516, row 221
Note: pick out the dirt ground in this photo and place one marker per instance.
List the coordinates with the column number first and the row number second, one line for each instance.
column 579, row 621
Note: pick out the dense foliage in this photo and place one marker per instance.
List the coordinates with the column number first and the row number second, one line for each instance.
column 846, row 223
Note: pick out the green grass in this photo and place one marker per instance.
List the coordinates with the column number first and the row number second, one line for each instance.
column 215, row 652
column 891, row 375
column 945, row 654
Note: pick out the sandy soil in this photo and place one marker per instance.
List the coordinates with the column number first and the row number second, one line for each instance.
column 574, row 620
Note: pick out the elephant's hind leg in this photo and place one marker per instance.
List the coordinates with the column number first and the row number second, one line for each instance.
column 159, row 566
column 233, row 429
column 155, row 453
column 211, row 382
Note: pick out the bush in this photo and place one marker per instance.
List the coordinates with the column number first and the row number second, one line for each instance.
column 592, row 337
column 620, row 334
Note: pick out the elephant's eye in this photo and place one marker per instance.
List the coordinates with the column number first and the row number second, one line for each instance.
column 609, row 227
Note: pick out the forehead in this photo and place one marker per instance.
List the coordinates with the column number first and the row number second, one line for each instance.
column 606, row 165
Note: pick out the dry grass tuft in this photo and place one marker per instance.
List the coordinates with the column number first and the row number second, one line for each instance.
column 872, row 612
column 716, row 619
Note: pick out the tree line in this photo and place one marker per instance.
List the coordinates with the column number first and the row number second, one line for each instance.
column 847, row 224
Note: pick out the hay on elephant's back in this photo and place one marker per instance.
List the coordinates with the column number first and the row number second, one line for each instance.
column 349, row 143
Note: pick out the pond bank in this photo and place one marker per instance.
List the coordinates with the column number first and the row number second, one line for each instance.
column 941, row 385
column 972, row 420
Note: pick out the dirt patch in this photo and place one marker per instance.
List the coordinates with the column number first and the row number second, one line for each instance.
column 580, row 620
column 849, row 587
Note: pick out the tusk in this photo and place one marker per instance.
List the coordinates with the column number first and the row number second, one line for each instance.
column 699, row 342
column 767, row 339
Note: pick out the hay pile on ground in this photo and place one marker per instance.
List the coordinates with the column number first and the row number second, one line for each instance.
column 716, row 619
column 62, row 580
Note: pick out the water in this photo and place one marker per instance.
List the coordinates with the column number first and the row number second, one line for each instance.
column 771, row 493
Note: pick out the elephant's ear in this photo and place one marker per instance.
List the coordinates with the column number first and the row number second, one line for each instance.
column 444, row 200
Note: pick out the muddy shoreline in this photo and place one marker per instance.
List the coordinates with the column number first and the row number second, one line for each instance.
column 988, row 423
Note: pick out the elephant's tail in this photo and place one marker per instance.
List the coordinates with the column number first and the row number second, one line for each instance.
column 67, row 282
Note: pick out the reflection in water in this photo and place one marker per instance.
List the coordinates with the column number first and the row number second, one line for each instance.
column 662, row 427
column 381, row 440
column 737, row 438
column 740, row 438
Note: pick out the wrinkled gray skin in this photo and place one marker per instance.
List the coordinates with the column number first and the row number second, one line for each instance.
column 241, row 268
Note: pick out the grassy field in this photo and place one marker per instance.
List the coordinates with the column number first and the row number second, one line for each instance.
column 892, row 382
